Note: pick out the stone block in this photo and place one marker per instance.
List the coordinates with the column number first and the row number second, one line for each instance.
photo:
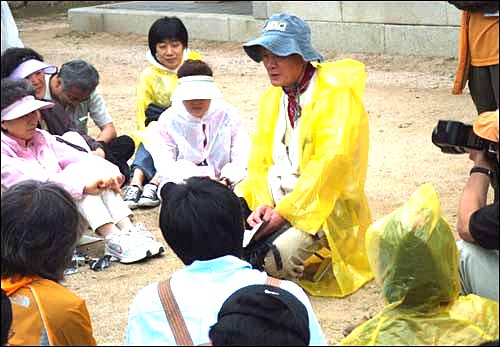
column 348, row 37
column 308, row 10
column 259, row 9
column 453, row 15
column 206, row 26
column 421, row 40
column 395, row 12
column 244, row 29
column 86, row 19
column 129, row 21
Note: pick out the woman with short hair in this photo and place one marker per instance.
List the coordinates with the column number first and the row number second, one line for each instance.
column 168, row 49
column 40, row 228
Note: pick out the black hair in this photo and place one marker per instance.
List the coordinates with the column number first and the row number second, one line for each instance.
column 78, row 74
column 40, row 228
column 6, row 318
column 201, row 219
column 261, row 315
column 13, row 90
column 194, row 67
column 15, row 56
column 167, row 28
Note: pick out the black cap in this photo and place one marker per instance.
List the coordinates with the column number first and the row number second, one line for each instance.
column 261, row 315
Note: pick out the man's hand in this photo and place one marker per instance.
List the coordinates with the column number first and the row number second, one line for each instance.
column 99, row 152
column 108, row 133
column 266, row 213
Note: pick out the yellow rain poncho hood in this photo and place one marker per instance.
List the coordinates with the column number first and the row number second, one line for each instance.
column 414, row 258
column 329, row 195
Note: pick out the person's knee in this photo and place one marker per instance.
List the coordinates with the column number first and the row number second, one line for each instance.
column 289, row 252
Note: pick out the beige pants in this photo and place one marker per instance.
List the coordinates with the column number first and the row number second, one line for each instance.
column 294, row 247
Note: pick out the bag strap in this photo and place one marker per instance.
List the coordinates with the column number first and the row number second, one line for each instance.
column 173, row 314
column 271, row 281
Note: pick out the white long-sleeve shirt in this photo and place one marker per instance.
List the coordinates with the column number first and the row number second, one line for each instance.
column 215, row 145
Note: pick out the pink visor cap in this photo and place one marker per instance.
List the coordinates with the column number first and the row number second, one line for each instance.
column 24, row 106
column 30, row 66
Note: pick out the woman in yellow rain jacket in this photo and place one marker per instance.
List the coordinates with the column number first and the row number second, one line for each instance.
column 168, row 49
column 308, row 163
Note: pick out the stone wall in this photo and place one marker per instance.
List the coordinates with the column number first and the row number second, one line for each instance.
column 392, row 27
column 425, row 28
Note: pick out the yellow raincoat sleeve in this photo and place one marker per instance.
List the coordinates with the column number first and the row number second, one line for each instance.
column 254, row 188
column 155, row 86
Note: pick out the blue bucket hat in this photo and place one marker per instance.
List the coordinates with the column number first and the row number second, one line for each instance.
column 283, row 35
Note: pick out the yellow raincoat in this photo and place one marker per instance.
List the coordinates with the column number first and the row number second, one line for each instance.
column 329, row 194
column 155, row 85
column 414, row 257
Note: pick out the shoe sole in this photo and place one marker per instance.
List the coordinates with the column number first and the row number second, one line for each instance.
column 123, row 260
column 132, row 205
column 148, row 203
column 160, row 251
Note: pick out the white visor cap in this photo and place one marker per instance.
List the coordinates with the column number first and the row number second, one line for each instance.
column 199, row 87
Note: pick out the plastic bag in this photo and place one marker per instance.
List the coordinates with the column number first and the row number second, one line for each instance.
column 414, row 257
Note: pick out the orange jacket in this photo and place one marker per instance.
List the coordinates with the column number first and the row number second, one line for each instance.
column 478, row 45
column 43, row 307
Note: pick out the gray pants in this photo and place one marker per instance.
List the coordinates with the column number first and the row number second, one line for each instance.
column 478, row 270
column 294, row 248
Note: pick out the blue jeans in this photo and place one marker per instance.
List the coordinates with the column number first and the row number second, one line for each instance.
column 143, row 161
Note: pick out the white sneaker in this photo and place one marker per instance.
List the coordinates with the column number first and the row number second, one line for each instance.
column 124, row 246
column 154, row 247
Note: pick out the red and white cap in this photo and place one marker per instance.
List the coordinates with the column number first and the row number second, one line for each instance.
column 24, row 106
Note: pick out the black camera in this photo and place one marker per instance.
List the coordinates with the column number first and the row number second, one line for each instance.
column 455, row 137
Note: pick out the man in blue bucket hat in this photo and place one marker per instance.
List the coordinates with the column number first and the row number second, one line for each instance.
column 307, row 169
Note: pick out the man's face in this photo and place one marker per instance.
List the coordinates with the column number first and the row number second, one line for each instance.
column 71, row 96
column 282, row 71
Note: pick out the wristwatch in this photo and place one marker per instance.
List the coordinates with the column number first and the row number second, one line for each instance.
column 482, row 170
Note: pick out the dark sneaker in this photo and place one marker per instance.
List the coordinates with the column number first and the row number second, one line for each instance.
column 149, row 198
column 132, row 195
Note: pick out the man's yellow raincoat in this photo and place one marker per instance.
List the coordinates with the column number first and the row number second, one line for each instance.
column 329, row 194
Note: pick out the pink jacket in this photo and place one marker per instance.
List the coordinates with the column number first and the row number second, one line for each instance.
column 46, row 159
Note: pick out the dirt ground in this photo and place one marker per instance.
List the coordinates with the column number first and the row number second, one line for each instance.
column 405, row 97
